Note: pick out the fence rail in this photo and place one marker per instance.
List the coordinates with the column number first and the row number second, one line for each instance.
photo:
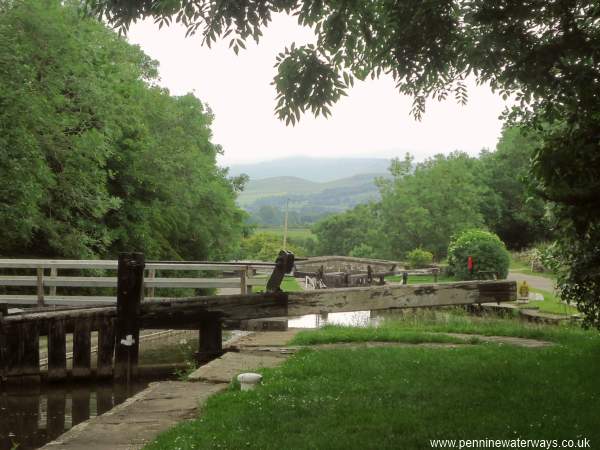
column 243, row 278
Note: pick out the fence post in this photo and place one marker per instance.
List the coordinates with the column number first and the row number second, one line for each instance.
column 53, row 274
column 40, row 286
column 211, row 339
column 243, row 279
column 130, row 282
column 151, row 276
column 3, row 312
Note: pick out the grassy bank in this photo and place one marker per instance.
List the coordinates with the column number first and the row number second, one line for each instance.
column 521, row 267
column 552, row 304
column 420, row 279
column 289, row 284
column 293, row 233
column 403, row 397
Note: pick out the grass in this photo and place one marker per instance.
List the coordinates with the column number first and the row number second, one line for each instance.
column 389, row 398
column 551, row 304
column 521, row 267
column 297, row 233
column 289, row 284
column 389, row 331
column 420, row 279
column 422, row 323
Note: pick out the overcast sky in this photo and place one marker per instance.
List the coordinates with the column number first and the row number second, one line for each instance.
column 374, row 120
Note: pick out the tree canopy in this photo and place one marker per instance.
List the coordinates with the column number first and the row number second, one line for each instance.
column 95, row 158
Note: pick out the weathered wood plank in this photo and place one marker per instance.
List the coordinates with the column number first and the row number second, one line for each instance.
column 106, row 348
column 243, row 281
column 113, row 264
column 30, row 362
column 182, row 312
column 189, row 312
column 408, row 296
column 13, row 346
column 211, row 339
column 40, row 286
column 57, row 350
column 82, row 350
column 129, row 296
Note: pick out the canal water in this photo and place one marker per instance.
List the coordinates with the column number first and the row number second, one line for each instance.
column 356, row 319
column 31, row 417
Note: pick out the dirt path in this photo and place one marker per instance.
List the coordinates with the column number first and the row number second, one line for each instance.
column 545, row 284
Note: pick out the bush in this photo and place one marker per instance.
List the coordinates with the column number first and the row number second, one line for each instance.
column 419, row 258
column 264, row 247
column 487, row 250
column 363, row 251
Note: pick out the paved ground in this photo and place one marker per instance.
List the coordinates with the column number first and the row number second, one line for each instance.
column 159, row 407
column 134, row 423
column 545, row 284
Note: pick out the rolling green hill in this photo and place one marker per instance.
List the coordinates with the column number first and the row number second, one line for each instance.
column 308, row 200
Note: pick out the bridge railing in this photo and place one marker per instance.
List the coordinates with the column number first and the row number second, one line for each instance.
column 47, row 279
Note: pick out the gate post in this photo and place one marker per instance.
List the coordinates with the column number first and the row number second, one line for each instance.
column 130, row 282
column 211, row 339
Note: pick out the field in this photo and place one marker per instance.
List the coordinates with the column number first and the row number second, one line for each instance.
column 293, row 233
column 405, row 396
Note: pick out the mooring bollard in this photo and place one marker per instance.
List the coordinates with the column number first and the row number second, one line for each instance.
column 249, row 381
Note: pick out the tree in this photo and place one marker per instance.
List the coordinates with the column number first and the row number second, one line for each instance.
column 426, row 203
column 94, row 158
column 509, row 207
column 544, row 53
column 355, row 231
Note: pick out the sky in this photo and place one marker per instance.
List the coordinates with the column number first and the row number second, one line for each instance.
column 372, row 121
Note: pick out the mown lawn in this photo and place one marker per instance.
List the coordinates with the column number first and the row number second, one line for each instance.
column 420, row 279
column 289, row 284
column 400, row 398
column 298, row 233
column 518, row 266
column 551, row 304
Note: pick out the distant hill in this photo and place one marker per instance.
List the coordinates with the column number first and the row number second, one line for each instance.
column 308, row 200
column 312, row 169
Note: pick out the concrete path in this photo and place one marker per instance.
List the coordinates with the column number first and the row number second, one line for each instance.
column 139, row 419
column 545, row 284
column 142, row 417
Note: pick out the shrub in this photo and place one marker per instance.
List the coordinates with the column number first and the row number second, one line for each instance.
column 487, row 250
column 419, row 258
column 264, row 247
column 363, row 251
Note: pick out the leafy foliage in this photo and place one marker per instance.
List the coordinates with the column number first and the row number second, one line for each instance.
column 509, row 207
column 94, row 158
column 419, row 258
column 265, row 247
column 487, row 250
column 355, row 232
column 428, row 202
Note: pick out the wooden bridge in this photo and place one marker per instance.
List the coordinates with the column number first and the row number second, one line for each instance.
column 118, row 326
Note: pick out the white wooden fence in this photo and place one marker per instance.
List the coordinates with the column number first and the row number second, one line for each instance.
column 47, row 277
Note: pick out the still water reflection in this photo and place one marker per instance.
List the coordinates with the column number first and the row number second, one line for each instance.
column 31, row 417
column 356, row 318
